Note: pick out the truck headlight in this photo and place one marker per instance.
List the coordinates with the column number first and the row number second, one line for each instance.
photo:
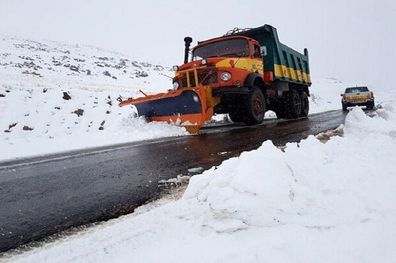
column 204, row 61
column 175, row 85
column 175, row 68
column 225, row 76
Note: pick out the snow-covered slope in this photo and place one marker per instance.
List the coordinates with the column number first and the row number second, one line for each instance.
column 56, row 97
column 309, row 202
column 60, row 63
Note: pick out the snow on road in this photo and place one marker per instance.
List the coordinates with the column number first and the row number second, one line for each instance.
column 308, row 202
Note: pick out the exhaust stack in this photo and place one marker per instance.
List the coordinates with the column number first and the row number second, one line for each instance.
column 187, row 43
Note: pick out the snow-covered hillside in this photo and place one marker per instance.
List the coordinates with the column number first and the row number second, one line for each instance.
column 57, row 97
column 62, row 64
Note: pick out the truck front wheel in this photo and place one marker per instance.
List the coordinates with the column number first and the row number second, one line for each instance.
column 255, row 107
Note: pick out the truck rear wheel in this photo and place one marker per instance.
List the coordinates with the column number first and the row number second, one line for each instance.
column 304, row 104
column 293, row 104
column 255, row 107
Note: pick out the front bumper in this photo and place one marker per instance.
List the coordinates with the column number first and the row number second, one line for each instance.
column 230, row 90
column 357, row 103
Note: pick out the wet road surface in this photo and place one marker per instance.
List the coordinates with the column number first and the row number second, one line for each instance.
column 45, row 195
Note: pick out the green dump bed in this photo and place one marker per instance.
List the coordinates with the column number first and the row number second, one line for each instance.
column 281, row 62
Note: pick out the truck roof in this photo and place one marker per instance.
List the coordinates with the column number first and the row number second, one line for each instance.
column 220, row 38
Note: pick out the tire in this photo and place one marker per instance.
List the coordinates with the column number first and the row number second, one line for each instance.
column 304, row 104
column 344, row 107
column 370, row 105
column 254, row 107
column 293, row 104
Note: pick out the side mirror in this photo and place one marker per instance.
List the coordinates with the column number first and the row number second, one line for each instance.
column 263, row 51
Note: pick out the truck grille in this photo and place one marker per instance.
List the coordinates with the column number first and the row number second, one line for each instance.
column 205, row 77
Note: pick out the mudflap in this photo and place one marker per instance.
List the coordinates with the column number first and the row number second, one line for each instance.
column 186, row 107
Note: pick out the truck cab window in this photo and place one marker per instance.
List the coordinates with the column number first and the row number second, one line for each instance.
column 256, row 51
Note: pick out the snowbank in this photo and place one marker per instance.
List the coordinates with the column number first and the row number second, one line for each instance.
column 309, row 202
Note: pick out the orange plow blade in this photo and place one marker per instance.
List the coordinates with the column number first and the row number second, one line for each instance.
column 189, row 108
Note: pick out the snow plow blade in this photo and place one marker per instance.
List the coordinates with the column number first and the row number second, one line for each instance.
column 189, row 108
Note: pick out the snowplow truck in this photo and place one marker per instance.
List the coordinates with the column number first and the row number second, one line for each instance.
column 243, row 74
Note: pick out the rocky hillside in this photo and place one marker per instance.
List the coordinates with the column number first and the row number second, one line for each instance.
column 55, row 61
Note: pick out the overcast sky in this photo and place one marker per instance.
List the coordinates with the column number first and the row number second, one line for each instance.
column 349, row 40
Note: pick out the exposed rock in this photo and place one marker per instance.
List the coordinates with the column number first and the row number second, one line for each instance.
column 27, row 128
column 141, row 74
column 56, row 63
column 79, row 59
column 74, row 68
column 136, row 64
column 31, row 73
column 158, row 68
column 66, row 96
column 79, row 112
column 12, row 125
column 109, row 101
column 101, row 128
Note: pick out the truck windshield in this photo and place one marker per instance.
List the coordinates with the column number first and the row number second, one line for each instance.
column 236, row 47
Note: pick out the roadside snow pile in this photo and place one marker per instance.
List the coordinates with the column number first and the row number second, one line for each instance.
column 310, row 202
column 56, row 97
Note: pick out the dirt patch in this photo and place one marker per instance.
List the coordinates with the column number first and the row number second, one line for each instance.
column 325, row 136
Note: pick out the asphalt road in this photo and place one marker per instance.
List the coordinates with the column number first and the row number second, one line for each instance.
column 45, row 195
